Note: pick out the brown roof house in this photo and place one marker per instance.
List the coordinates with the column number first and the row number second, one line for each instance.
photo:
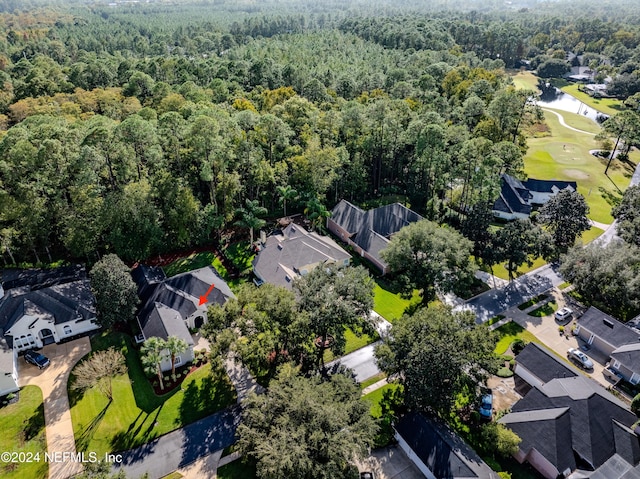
column 369, row 232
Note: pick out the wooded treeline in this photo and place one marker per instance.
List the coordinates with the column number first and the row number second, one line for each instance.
column 132, row 131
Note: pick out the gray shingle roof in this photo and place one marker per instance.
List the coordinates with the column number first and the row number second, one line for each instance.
column 372, row 229
column 608, row 328
column 443, row 452
column 287, row 252
column 62, row 302
column 616, row 467
column 172, row 300
column 543, row 364
column 548, row 186
column 514, row 197
column 629, row 356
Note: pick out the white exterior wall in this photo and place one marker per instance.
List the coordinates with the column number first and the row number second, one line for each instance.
column 190, row 321
column 509, row 216
column 185, row 357
column 30, row 327
column 414, row 458
column 75, row 328
column 542, row 465
column 525, row 374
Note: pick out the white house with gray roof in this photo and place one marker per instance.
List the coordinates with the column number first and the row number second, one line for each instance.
column 171, row 306
column 293, row 252
column 40, row 307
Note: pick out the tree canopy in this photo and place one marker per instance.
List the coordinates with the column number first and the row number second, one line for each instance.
column 427, row 256
column 435, row 353
column 306, row 427
column 565, row 217
column 115, row 292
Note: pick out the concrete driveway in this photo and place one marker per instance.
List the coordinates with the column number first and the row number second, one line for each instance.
column 390, row 463
column 53, row 383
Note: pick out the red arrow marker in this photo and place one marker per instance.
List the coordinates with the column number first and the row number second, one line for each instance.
column 203, row 299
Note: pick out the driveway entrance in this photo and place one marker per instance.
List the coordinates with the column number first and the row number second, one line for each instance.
column 53, row 383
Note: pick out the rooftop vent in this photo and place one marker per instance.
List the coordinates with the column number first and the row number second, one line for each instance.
column 608, row 323
column 280, row 246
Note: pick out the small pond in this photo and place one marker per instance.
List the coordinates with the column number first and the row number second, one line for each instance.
column 555, row 98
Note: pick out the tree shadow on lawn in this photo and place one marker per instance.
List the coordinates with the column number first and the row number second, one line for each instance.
column 35, row 424
column 210, row 396
column 82, row 442
column 131, row 438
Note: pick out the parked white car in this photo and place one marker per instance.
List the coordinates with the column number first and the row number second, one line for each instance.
column 580, row 358
column 564, row 314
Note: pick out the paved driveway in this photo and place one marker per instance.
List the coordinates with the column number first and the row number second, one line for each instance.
column 496, row 301
column 53, row 382
column 390, row 463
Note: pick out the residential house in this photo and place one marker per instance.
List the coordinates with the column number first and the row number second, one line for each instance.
column 613, row 338
column 570, row 426
column 536, row 366
column 293, row 252
column 40, row 307
column 170, row 306
column 369, row 232
column 518, row 198
column 437, row 451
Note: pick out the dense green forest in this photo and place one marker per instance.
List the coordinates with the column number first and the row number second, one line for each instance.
column 142, row 128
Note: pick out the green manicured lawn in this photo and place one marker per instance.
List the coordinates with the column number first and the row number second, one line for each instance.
column 137, row 415
column 22, row 426
column 173, row 475
column 372, row 380
column 236, row 470
column 565, row 156
column 508, row 333
column 532, row 301
column 353, row 342
column 525, row 80
column 391, row 305
column 591, row 234
column 240, row 255
column 195, row 261
column 501, row 271
column 576, row 121
column 545, row 310
column 610, row 106
column 376, row 396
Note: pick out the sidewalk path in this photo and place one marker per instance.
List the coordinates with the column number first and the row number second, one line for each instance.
column 53, row 382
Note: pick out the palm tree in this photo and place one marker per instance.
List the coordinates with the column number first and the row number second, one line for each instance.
column 153, row 352
column 250, row 216
column 316, row 212
column 286, row 193
column 175, row 345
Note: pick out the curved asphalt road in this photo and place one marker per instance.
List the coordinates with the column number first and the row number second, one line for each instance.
column 159, row 458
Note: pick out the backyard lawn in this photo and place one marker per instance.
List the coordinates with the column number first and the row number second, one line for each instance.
column 22, row 426
column 610, row 106
column 137, row 415
column 508, row 333
column 195, row 261
column 389, row 304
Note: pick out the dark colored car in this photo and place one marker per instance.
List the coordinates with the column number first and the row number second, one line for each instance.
column 486, row 406
column 37, row 359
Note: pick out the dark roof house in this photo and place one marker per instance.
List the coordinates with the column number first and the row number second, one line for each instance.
column 369, row 232
column 438, row 451
column 292, row 252
column 170, row 306
column 517, row 198
column 569, row 422
column 614, row 338
column 536, row 365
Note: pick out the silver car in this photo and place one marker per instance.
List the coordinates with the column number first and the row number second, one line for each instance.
column 580, row 358
column 563, row 314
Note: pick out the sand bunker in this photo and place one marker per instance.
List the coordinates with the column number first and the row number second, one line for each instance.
column 575, row 174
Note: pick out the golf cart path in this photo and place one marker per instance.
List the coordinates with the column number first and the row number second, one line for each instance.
column 563, row 123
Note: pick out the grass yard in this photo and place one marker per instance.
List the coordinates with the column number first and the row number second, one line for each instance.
column 565, row 156
column 591, row 234
column 389, row 304
column 574, row 120
column 22, row 426
column 376, row 397
column 508, row 333
column 137, row 415
column 545, row 310
column 372, row 380
column 236, row 470
column 240, row 255
column 524, row 80
column 354, row 342
column 610, row 106
column 500, row 270
column 532, row 301
column 195, row 261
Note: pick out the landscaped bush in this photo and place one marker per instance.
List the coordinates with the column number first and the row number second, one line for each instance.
column 504, row 372
column 517, row 346
column 635, row 405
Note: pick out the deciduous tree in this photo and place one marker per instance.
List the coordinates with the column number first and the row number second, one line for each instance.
column 98, row 370
column 435, row 353
column 306, row 427
column 565, row 216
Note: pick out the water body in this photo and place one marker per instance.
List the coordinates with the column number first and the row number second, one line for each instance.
column 555, row 98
